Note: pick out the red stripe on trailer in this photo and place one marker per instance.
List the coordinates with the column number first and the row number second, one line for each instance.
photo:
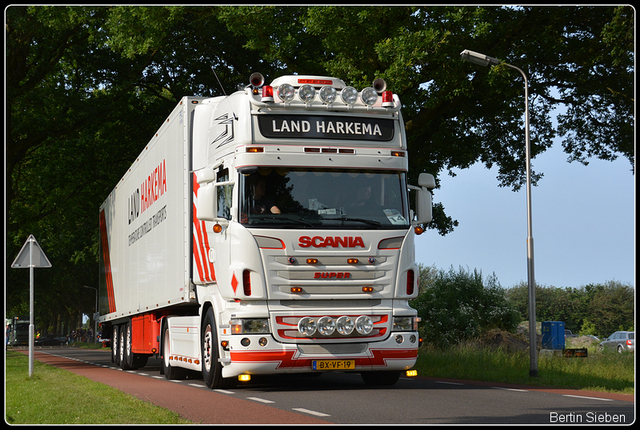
column 107, row 261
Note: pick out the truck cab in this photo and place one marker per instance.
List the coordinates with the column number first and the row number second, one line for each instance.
column 307, row 233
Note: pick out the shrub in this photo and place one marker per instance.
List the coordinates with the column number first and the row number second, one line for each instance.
column 457, row 306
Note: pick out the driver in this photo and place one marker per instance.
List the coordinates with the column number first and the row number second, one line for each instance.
column 260, row 203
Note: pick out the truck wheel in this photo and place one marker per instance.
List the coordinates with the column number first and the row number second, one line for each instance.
column 114, row 345
column 122, row 347
column 169, row 371
column 211, row 367
column 380, row 378
column 127, row 356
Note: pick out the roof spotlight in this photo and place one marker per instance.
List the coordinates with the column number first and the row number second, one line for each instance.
column 369, row 96
column 286, row 92
column 328, row 94
column 306, row 93
column 349, row 95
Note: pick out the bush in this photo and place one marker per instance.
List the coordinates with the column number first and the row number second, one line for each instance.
column 457, row 306
column 597, row 309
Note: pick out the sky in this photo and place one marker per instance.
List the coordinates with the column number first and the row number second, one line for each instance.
column 583, row 223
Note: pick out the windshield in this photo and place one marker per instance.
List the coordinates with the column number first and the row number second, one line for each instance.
column 324, row 198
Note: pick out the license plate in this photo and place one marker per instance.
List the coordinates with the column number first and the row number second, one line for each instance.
column 333, row 364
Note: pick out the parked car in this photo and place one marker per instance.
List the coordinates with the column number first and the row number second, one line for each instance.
column 50, row 340
column 568, row 334
column 620, row 341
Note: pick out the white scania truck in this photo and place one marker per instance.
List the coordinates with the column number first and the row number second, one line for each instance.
column 265, row 232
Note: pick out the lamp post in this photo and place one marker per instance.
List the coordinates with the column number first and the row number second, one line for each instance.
column 95, row 321
column 484, row 60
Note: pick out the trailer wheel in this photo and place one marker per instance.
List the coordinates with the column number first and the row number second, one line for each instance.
column 169, row 371
column 122, row 347
column 126, row 362
column 211, row 367
column 114, row 345
column 380, row 378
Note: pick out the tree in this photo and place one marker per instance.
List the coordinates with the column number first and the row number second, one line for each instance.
column 592, row 309
column 456, row 113
column 87, row 87
column 457, row 306
column 611, row 307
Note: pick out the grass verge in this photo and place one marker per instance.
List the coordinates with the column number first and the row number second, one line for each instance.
column 57, row 396
column 607, row 372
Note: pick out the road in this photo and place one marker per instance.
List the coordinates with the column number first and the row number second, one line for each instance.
column 342, row 398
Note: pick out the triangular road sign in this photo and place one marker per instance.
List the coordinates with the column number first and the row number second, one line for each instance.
column 23, row 259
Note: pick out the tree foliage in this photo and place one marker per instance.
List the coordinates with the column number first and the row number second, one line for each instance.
column 87, row 86
column 457, row 306
column 598, row 309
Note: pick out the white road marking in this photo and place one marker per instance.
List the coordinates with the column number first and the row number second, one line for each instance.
column 307, row 411
column 590, row 398
column 511, row 389
column 258, row 399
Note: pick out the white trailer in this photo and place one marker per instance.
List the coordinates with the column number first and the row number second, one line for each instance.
column 267, row 232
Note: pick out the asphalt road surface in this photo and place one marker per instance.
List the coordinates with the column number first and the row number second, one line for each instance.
column 342, row 398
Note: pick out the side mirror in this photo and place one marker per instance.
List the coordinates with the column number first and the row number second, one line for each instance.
column 206, row 205
column 427, row 180
column 423, row 206
column 423, row 198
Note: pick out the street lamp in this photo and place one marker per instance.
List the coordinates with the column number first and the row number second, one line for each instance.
column 484, row 60
column 95, row 320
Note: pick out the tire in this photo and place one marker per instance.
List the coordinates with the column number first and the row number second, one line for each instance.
column 126, row 362
column 115, row 356
column 122, row 347
column 211, row 367
column 380, row 378
column 169, row 371
column 620, row 349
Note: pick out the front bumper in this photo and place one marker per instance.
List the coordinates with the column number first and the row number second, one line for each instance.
column 249, row 354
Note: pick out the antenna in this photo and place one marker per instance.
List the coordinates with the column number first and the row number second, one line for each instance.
column 219, row 83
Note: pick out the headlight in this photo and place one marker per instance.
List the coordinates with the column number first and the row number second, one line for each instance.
column 405, row 323
column 250, row 326
column 326, row 326
column 307, row 326
column 345, row 325
column 364, row 325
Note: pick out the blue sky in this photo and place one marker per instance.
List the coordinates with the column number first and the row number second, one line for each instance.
column 583, row 223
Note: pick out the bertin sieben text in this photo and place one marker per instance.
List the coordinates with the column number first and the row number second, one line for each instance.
column 586, row 418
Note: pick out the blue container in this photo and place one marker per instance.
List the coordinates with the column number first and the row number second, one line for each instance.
column 552, row 335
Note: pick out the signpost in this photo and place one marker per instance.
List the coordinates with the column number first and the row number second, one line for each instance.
column 31, row 256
